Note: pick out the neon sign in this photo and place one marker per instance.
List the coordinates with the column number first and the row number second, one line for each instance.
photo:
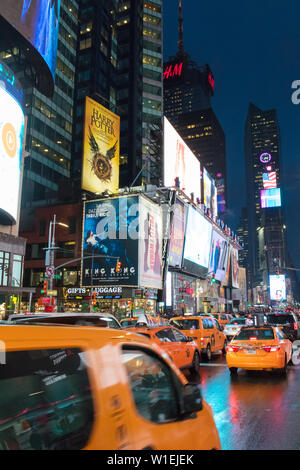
column 211, row 81
column 174, row 70
column 265, row 157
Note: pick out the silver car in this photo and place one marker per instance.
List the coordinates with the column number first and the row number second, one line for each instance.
column 234, row 326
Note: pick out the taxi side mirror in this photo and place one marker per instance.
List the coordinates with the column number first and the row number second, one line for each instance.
column 189, row 339
column 192, row 399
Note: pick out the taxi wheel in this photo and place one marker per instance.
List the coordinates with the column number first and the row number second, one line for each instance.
column 224, row 347
column 233, row 371
column 283, row 371
column 196, row 363
column 208, row 352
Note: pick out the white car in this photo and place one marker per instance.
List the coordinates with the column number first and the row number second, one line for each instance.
column 234, row 326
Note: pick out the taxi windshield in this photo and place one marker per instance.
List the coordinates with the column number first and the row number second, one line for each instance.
column 258, row 333
column 185, row 324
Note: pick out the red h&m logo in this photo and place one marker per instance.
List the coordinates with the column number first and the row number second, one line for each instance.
column 172, row 71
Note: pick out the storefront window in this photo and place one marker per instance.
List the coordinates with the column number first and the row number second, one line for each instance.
column 70, row 278
column 36, row 278
column 17, row 271
column 4, row 268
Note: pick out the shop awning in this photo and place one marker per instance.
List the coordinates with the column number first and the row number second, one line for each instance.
column 17, row 290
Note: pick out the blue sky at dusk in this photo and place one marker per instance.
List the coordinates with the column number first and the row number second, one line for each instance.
column 253, row 49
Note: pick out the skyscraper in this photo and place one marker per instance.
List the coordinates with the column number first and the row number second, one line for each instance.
column 266, row 229
column 188, row 89
column 49, row 129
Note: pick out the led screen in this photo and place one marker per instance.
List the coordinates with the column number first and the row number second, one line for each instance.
column 210, row 193
column 37, row 21
column 269, row 180
column 11, row 137
column 177, row 235
column 110, row 233
column 277, row 287
column 197, row 239
column 150, row 244
column 218, row 256
column 180, row 162
column 270, row 198
column 101, row 143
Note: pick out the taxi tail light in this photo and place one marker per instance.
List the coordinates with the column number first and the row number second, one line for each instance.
column 232, row 348
column 295, row 326
column 271, row 348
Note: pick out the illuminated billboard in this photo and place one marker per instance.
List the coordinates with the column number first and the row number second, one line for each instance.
column 11, row 138
column 197, row 242
column 150, row 244
column 37, row 22
column 218, row 256
column 270, row 198
column 177, row 235
column 270, row 180
column 234, row 268
column 209, row 193
column 101, row 149
column 181, row 163
column 277, row 287
column 110, row 233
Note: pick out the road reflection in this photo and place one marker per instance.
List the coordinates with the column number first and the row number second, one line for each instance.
column 256, row 410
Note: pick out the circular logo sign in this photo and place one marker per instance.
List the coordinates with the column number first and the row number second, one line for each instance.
column 265, row 157
column 9, row 139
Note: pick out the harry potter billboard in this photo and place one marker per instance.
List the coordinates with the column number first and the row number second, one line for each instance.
column 101, row 149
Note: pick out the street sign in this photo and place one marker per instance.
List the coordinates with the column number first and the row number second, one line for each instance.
column 52, row 293
column 57, row 276
column 50, row 271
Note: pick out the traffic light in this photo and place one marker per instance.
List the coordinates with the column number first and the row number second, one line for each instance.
column 45, row 287
column 277, row 272
column 118, row 266
column 213, row 279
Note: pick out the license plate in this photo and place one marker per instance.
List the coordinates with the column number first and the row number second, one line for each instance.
column 250, row 351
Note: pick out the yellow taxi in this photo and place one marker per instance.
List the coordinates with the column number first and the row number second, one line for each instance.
column 222, row 318
column 72, row 388
column 181, row 349
column 259, row 348
column 205, row 330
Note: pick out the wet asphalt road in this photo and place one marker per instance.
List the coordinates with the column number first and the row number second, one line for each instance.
column 256, row 411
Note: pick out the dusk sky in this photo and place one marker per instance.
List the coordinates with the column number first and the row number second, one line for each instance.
column 253, row 49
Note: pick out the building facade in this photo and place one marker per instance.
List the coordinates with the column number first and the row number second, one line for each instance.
column 267, row 250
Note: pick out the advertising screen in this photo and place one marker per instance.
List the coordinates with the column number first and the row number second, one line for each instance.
column 220, row 185
column 177, row 235
column 197, row 242
column 100, row 164
column 180, row 162
column 235, row 267
column 150, row 244
column 110, row 234
column 218, row 256
column 270, row 198
column 37, row 21
column 11, row 137
column 269, row 180
column 210, row 193
column 277, row 287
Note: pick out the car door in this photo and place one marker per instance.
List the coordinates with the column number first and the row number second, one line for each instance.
column 185, row 349
column 156, row 395
column 219, row 335
column 212, row 332
column 167, row 343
